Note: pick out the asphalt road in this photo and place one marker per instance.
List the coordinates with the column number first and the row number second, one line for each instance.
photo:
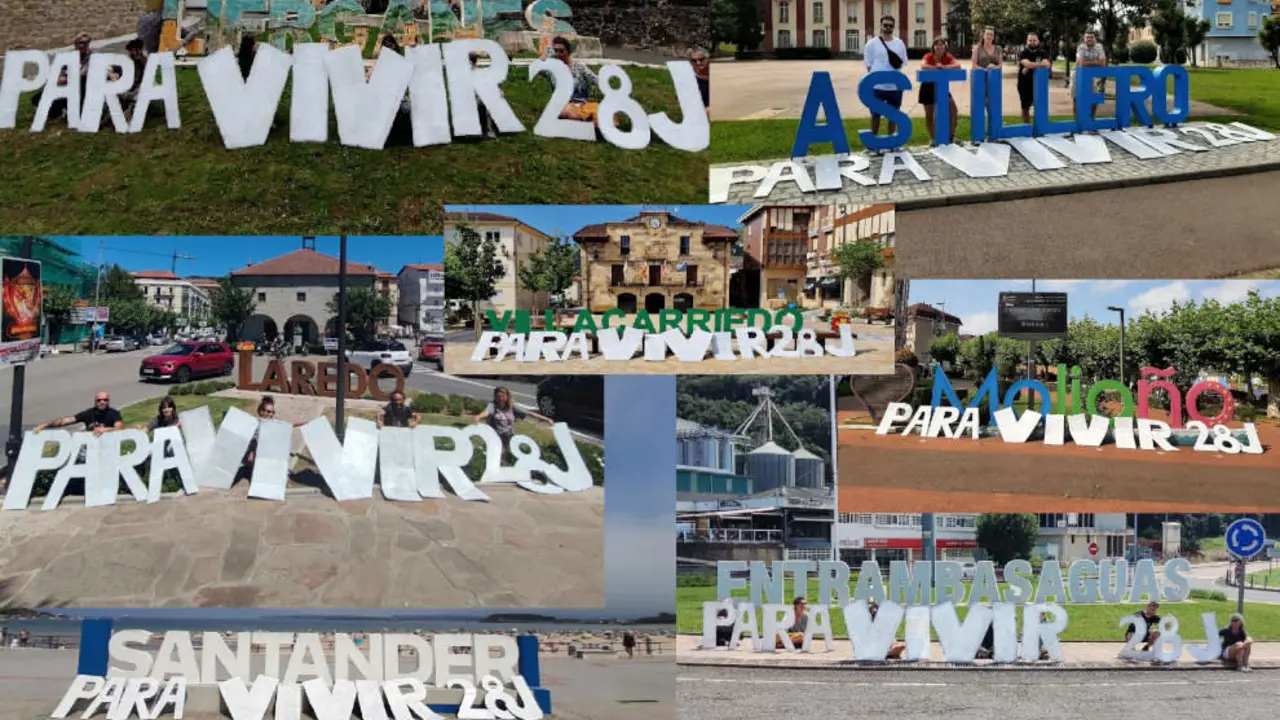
column 1211, row 577
column 1193, row 229
column 709, row 693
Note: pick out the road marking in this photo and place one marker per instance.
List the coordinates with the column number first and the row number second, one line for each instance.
column 476, row 383
column 898, row 684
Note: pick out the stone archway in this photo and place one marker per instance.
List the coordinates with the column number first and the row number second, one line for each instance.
column 655, row 302
column 627, row 303
column 259, row 328
column 682, row 301
column 301, row 329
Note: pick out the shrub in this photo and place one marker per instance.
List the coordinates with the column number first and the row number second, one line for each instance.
column 1180, row 57
column 1121, row 56
column 1143, row 52
column 1200, row 594
column 1246, row 413
column 428, row 403
column 699, row 579
column 907, row 356
column 181, row 389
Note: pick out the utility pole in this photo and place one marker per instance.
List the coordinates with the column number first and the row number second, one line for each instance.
column 97, row 294
column 340, row 420
column 14, row 443
column 173, row 267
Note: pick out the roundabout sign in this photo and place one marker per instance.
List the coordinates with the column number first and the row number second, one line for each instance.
column 1245, row 538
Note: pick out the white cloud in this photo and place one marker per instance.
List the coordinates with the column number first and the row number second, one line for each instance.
column 1233, row 291
column 1160, row 297
column 1106, row 286
column 979, row 323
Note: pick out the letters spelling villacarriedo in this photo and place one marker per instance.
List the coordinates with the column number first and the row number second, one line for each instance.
column 368, row 676
column 444, row 90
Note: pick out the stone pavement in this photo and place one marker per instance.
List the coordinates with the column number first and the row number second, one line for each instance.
column 948, row 186
column 1076, row 656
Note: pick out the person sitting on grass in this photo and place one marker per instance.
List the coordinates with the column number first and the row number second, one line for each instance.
column 1236, row 643
column 1153, row 626
column 800, row 606
column 896, row 648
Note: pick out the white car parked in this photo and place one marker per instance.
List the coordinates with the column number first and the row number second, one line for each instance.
column 382, row 352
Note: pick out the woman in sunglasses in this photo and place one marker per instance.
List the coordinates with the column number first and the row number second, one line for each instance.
column 585, row 82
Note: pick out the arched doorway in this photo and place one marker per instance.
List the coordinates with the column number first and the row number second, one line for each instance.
column 301, row 330
column 259, row 328
column 655, row 302
column 682, row 301
column 627, row 303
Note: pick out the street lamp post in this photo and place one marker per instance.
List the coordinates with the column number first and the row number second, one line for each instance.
column 339, row 415
column 1120, row 310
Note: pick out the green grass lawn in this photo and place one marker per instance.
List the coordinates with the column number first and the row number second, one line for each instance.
column 163, row 181
column 141, row 412
column 1253, row 94
column 1086, row 622
column 1265, row 578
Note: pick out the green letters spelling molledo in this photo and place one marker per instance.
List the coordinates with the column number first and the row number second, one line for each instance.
column 688, row 321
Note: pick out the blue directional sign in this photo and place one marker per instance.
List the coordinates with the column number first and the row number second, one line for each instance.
column 1246, row 538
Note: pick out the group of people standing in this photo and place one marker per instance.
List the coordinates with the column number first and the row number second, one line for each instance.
column 886, row 52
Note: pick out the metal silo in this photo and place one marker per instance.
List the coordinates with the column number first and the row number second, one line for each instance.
column 771, row 466
column 810, row 470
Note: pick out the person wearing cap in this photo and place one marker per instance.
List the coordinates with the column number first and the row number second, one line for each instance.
column 800, row 606
column 1236, row 643
column 896, row 648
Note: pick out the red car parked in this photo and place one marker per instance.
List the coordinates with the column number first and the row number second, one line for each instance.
column 432, row 351
column 187, row 360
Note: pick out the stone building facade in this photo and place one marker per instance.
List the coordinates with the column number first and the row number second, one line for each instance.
column 671, row 26
column 655, row 261
column 47, row 24
column 292, row 293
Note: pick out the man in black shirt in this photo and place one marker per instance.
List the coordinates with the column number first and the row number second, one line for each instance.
column 397, row 414
column 1153, row 626
column 98, row 419
column 1033, row 56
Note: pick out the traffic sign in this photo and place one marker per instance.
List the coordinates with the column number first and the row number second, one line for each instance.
column 1093, row 549
column 1245, row 538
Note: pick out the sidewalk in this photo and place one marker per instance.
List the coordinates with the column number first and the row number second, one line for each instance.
column 1076, row 656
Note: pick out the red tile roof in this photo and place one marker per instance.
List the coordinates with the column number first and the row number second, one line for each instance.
column 156, row 275
column 929, row 311
column 478, row 217
column 423, row 267
column 303, row 262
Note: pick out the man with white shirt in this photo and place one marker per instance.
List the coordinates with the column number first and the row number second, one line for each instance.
column 886, row 53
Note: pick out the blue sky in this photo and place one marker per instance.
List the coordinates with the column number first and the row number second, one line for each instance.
column 974, row 301
column 218, row 255
column 640, row 499
column 569, row 219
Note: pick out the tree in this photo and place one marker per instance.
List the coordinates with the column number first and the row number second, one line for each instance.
column 471, row 269
column 1063, row 20
column 1007, row 536
column 366, row 309
column 945, row 348
column 960, row 27
column 1169, row 26
column 1269, row 38
column 551, row 268
column 855, row 260
column 748, row 34
column 723, row 23
column 231, row 307
column 118, row 284
column 1256, row 324
column 1197, row 29
column 57, row 302
column 1115, row 17
column 1010, row 18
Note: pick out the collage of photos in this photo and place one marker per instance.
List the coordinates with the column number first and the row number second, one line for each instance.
column 434, row 359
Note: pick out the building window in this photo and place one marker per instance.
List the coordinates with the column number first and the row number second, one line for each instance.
column 262, row 297
column 302, row 297
column 852, row 42
column 1224, row 21
column 617, row 274
column 886, row 8
column 852, row 15
column 819, row 38
column 684, row 245
column 784, row 12
column 784, row 39
column 919, row 13
column 691, row 275
column 818, row 14
column 626, row 245
column 493, row 235
column 921, row 41
column 1253, row 21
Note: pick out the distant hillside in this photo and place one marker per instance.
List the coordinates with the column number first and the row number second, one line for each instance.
column 725, row 402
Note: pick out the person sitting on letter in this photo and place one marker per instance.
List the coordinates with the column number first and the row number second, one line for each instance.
column 796, row 631
column 1236, row 643
column 1153, row 626
column 580, row 106
column 896, row 648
